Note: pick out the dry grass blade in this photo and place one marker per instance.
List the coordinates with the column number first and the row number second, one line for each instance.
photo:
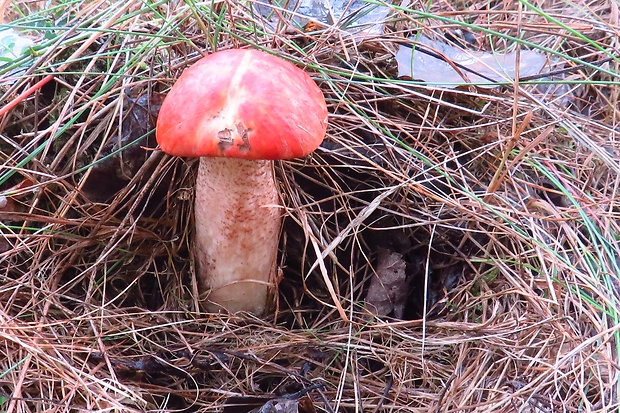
column 501, row 205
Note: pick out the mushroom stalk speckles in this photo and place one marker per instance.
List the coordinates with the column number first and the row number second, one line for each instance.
column 237, row 233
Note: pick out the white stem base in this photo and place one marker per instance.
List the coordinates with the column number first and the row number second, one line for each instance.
column 237, row 231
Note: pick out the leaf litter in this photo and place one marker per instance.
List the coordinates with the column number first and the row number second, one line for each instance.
column 97, row 303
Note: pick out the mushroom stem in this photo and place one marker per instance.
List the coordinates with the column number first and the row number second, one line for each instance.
column 238, row 223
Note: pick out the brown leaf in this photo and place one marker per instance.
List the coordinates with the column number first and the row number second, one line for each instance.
column 306, row 405
column 8, row 198
column 389, row 287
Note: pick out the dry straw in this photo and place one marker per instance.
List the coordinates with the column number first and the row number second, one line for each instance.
column 502, row 202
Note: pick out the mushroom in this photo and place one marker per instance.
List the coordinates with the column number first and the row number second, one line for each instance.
column 238, row 110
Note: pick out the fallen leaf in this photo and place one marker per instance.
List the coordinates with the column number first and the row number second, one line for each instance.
column 389, row 287
column 442, row 64
column 8, row 198
column 306, row 405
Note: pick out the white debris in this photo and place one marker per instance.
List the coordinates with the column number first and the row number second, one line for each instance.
column 441, row 64
column 12, row 47
column 351, row 16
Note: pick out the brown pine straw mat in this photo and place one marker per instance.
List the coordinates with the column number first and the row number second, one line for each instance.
column 499, row 206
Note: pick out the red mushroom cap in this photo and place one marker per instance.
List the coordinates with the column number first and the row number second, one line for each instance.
column 242, row 103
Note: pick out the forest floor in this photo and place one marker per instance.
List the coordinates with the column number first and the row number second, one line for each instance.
column 486, row 206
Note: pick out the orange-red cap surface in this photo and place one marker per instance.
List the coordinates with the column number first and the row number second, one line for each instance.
column 242, row 103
